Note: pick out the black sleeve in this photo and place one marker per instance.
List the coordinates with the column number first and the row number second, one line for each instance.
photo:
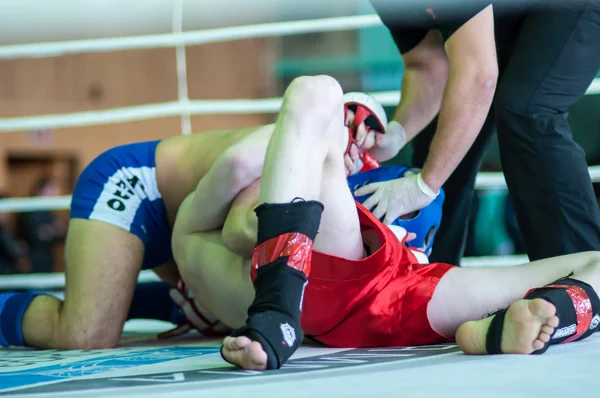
column 452, row 19
column 409, row 22
column 8, row 247
column 31, row 223
column 408, row 25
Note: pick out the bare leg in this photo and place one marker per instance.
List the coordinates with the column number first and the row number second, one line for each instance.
column 100, row 258
column 465, row 295
column 305, row 160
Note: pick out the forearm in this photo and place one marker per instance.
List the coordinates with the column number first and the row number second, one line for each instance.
column 465, row 106
column 211, row 200
column 169, row 273
column 422, row 93
column 216, row 276
column 241, row 226
column 239, row 232
column 233, row 171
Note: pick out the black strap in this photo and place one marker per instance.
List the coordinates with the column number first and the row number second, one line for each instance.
column 493, row 341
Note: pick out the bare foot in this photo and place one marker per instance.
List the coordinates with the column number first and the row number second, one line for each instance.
column 528, row 326
column 245, row 353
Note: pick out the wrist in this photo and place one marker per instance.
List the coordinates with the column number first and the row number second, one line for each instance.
column 390, row 143
column 429, row 184
column 396, row 128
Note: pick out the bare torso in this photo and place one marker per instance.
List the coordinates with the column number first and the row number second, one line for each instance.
column 182, row 161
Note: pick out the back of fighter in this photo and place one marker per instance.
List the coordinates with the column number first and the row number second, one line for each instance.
column 123, row 208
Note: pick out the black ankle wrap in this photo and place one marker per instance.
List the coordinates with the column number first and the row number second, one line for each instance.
column 278, row 219
column 274, row 316
column 493, row 341
column 569, row 297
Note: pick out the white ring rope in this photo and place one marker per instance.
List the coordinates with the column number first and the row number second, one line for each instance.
column 484, row 180
column 182, row 108
column 53, row 49
column 175, row 108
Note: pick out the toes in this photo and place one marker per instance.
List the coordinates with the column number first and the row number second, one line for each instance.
column 241, row 342
column 542, row 308
column 227, row 341
column 244, row 353
column 544, row 337
column 538, row 345
column 547, row 329
column 257, row 354
column 236, row 343
column 230, row 343
column 553, row 322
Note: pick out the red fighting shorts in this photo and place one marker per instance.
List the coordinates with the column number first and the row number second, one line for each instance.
column 378, row 301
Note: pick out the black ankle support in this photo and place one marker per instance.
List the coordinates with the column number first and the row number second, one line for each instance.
column 570, row 296
column 274, row 316
column 278, row 219
column 493, row 341
column 557, row 294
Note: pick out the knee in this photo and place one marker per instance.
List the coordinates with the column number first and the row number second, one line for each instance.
column 315, row 102
column 89, row 340
column 85, row 336
column 506, row 102
column 513, row 100
column 316, row 91
column 315, row 85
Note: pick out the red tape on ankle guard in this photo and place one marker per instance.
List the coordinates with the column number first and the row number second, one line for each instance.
column 297, row 247
column 582, row 305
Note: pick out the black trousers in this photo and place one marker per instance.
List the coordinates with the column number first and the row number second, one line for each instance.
column 546, row 65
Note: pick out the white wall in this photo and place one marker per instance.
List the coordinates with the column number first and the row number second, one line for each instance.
column 24, row 21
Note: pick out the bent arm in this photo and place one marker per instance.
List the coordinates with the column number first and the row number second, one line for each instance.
column 207, row 207
column 467, row 99
column 241, row 226
column 423, row 83
column 219, row 278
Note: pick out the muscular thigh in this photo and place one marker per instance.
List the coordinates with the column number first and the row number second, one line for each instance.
column 339, row 232
column 102, row 265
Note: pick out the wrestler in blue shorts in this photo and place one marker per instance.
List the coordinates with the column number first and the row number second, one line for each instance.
column 123, row 208
column 120, row 188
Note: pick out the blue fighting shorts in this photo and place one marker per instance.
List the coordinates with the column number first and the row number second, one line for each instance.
column 119, row 187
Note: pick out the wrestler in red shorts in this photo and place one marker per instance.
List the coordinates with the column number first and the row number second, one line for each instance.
column 379, row 300
column 325, row 267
